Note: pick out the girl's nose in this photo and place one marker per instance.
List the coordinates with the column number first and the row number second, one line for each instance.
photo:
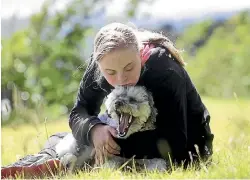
column 122, row 79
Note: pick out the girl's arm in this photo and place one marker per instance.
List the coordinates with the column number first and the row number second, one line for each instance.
column 84, row 114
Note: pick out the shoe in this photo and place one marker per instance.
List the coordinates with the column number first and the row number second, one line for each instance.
column 36, row 165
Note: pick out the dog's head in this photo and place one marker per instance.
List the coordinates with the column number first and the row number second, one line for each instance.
column 132, row 107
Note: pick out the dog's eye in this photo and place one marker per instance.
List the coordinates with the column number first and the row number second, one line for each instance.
column 132, row 100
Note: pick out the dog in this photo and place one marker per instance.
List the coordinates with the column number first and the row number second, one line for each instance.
column 132, row 108
column 129, row 109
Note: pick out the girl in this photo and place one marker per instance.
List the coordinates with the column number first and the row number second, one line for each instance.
column 126, row 56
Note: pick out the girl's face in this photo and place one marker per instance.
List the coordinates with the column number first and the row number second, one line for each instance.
column 121, row 66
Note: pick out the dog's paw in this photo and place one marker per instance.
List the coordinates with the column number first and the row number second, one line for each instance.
column 110, row 165
column 114, row 162
column 69, row 161
column 156, row 164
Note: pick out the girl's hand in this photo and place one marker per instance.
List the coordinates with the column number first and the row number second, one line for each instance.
column 104, row 144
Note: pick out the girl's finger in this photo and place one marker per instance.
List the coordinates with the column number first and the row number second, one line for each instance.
column 98, row 157
column 96, row 160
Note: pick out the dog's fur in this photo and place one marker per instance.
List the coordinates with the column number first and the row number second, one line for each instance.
column 121, row 103
column 135, row 101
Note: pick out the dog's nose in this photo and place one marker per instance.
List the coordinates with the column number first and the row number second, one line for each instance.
column 118, row 103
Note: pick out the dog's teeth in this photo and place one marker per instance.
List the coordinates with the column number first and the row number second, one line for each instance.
column 121, row 117
column 130, row 119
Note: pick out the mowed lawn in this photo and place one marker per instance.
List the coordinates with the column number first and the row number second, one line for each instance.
column 230, row 123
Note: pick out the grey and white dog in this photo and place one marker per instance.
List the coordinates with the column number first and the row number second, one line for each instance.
column 129, row 109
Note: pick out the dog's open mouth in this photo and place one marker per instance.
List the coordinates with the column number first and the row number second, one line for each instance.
column 125, row 121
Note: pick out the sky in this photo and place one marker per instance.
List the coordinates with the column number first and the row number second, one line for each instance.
column 161, row 8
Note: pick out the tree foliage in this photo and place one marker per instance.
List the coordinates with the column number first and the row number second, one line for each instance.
column 45, row 62
column 220, row 65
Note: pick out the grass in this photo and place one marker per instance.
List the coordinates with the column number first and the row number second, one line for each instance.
column 230, row 122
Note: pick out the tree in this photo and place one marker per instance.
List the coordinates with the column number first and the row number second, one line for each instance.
column 45, row 62
column 220, row 67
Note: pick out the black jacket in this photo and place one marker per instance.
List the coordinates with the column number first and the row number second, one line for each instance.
column 182, row 119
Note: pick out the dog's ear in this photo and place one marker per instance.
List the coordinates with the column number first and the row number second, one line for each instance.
column 153, row 109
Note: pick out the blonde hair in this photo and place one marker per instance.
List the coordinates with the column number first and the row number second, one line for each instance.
column 118, row 35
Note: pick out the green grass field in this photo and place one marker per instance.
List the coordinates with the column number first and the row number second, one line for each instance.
column 230, row 123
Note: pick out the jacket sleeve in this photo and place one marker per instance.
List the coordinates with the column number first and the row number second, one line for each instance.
column 185, row 120
column 169, row 81
column 84, row 114
column 199, row 131
column 172, row 122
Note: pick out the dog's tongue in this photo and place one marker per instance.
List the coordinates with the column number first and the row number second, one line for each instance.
column 123, row 125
